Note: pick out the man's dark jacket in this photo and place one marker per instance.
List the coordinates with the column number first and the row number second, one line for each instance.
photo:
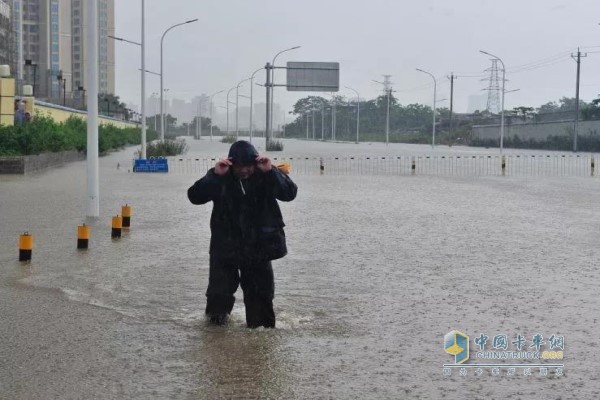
column 246, row 222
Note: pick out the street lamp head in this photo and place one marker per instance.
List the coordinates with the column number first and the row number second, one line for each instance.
column 191, row 20
column 296, row 47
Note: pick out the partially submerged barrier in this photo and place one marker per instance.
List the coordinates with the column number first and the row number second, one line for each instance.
column 436, row 165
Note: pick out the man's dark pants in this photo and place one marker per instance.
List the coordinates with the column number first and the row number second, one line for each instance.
column 258, row 285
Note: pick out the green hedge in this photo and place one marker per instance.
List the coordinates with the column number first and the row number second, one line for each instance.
column 43, row 135
column 589, row 143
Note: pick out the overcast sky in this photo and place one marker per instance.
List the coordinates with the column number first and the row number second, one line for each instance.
column 368, row 38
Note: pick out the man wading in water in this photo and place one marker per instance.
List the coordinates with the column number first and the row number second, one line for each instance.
column 246, row 232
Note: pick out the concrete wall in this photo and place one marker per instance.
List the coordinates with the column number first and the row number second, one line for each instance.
column 61, row 114
column 536, row 131
column 26, row 164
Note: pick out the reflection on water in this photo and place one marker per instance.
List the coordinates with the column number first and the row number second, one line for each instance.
column 241, row 364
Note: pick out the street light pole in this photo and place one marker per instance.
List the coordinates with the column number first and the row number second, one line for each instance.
column 162, row 39
column 229, row 91
column 143, row 45
column 211, row 108
column 503, row 82
column 92, row 165
column 272, row 67
column 237, row 93
column 434, row 104
column 313, row 122
column 357, row 112
column 199, row 119
column 333, row 117
column 251, row 99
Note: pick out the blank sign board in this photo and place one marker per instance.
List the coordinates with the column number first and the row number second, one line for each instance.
column 313, row 76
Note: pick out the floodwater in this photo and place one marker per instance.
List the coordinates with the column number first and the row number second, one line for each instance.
column 379, row 269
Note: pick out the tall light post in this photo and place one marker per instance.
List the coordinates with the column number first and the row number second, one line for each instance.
column 333, row 119
column 199, row 120
column 229, row 91
column 211, row 108
column 162, row 116
column 251, row 99
column 223, row 107
column 153, row 95
column 357, row 112
column 143, row 62
column 434, row 104
column 503, row 92
column 269, row 134
column 92, row 164
column 237, row 96
column 313, row 121
column 162, row 75
column 142, row 45
column 323, row 102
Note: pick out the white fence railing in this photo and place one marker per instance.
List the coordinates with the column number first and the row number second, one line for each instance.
column 437, row 165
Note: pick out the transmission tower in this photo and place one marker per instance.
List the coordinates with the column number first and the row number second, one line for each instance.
column 493, row 100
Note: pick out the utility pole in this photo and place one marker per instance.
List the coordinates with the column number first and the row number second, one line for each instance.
column 576, row 124
column 268, row 114
column 388, row 90
column 451, row 77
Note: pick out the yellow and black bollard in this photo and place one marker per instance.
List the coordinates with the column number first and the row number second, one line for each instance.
column 593, row 165
column 83, row 236
column 126, row 213
column 25, row 246
column 413, row 167
column 284, row 167
column 117, row 225
column 503, row 165
column 321, row 166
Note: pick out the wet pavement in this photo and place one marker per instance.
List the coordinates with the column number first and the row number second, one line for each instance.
column 379, row 269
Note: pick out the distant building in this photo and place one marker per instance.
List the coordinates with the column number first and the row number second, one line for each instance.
column 106, row 53
column 6, row 39
column 53, row 33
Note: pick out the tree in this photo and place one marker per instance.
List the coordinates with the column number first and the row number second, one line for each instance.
column 111, row 105
column 308, row 104
column 524, row 112
column 592, row 110
column 547, row 108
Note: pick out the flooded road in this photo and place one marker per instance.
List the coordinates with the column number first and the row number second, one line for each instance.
column 379, row 269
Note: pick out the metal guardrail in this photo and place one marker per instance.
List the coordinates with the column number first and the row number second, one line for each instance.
column 434, row 165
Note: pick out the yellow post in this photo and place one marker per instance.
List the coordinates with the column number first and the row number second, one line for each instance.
column 83, row 236
column 25, row 246
column 286, row 168
column 126, row 212
column 117, row 225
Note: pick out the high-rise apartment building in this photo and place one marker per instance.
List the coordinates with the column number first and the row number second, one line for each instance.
column 6, row 56
column 53, row 43
column 106, row 49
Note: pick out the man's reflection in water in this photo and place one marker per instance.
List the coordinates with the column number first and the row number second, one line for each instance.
column 240, row 364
